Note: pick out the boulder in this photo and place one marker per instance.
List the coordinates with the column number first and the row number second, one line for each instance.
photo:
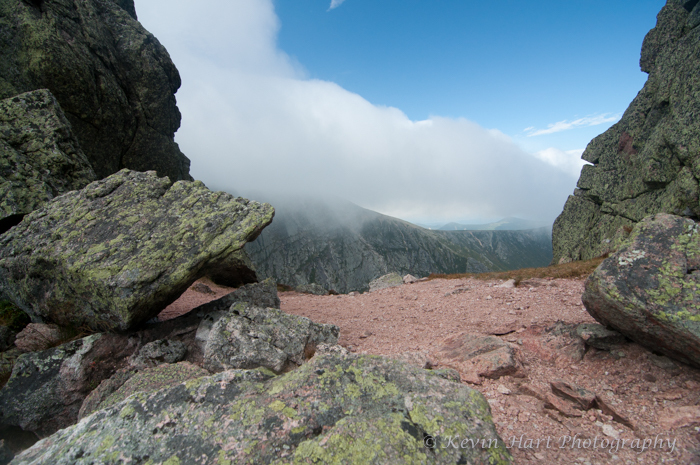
column 250, row 337
column 335, row 409
column 648, row 162
column 119, row 251
column 388, row 280
column 113, row 79
column 474, row 356
column 410, row 279
column 47, row 388
column 311, row 288
column 650, row 289
column 39, row 157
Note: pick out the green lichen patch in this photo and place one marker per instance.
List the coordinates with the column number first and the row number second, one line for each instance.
column 310, row 419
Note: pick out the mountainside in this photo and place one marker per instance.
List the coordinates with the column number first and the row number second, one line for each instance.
column 506, row 224
column 649, row 162
column 343, row 247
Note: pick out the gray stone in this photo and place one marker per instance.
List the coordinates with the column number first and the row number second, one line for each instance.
column 113, row 79
column 410, row 279
column 650, row 289
column 159, row 352
column 648, row 162
column 251, row 337
column 383, row 282
column 311, row 288
column 39, row 157
column 599, row 336
column 335, row 409
column 119, row 251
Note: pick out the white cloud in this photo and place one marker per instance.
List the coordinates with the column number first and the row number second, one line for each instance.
column 252, row 122
column 578, row 123
column 335, row 4
column 568, row 161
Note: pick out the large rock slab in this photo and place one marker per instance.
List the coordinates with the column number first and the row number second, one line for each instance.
column 249, row 337
column 39, row 157
column 119, row 251
column 335, row 409
column 114, row 80
column 648, row 162
column 650, row 289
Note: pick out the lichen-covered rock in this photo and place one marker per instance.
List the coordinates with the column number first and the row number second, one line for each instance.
column 312, row 288
column 251, row 337
column 146, row 381
column 388, row 280
column 39, row 156
column 119, row 251
column 335, row 409
column 650, row 289
column 158, row 352
column 113, row 79
column 649, row 162
column 47, row 388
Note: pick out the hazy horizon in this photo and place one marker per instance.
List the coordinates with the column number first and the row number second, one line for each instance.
column 429, row 112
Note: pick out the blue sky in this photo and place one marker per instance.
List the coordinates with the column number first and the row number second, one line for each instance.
column 428, row 110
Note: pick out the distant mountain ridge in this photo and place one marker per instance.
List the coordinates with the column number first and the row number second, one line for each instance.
column 506, row 224
column 343, row 247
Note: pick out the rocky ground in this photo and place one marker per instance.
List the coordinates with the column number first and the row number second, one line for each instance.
column 651, row 402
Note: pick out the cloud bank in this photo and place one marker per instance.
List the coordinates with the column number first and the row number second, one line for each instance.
column 578, row 123
column 253, row 122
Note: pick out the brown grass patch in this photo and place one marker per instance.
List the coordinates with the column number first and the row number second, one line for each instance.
column 578, row 269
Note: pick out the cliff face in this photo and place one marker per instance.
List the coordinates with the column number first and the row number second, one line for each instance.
column 114, row 81
column 343, row 247
column 649, row 162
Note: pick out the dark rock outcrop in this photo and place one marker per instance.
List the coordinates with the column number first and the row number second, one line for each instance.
column 649, row 162
column 335, row 409
column 650, row 289
column 47, row 388
column 113, row 79
column 343, row 247
column 117, row 252
column 39, row 157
